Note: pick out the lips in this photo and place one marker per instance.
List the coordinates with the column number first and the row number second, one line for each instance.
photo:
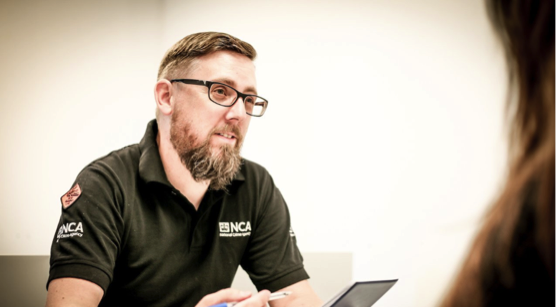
column 230, row 134
column 226, row 135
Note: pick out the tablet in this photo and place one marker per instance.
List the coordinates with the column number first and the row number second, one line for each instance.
column 361, row 294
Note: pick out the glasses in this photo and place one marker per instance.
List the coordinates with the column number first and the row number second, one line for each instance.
column 224, row 95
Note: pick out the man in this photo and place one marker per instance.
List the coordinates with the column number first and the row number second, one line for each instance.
column 167, row 221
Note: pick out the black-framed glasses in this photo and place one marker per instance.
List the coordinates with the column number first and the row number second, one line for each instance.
column 224, row 95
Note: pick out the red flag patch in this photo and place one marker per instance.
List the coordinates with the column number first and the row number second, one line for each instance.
column 69, row 198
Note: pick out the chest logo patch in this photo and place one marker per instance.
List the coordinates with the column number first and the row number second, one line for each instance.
column 69, row 198
column 235, row 229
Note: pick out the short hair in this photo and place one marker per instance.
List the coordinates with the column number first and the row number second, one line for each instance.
column 191, row 47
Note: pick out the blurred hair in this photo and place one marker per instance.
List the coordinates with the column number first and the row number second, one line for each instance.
column 520, row 223
column 181, row 55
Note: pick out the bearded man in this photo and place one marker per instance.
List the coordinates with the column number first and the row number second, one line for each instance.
column 167, row 222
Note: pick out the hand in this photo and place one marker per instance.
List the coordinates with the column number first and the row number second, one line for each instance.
column 243, row 298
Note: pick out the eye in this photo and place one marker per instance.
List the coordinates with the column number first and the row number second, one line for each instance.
column 249, row 100
column 220, row 90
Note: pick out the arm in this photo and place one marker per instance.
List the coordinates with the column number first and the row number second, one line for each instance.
column 86, row 244
column 272, row 258
column 73, row 292
column 302, row 295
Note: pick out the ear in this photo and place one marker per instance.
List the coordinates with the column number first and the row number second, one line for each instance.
column 162, row 95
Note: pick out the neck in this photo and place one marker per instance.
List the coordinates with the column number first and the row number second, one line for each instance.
column 178, row 175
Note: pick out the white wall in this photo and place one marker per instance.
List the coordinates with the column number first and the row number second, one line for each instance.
column 384, row 129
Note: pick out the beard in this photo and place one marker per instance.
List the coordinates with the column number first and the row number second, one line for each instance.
column 218, row 167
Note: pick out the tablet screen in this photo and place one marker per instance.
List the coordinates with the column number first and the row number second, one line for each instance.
column 363, row 293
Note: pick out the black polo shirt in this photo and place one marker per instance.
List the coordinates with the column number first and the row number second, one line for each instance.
column 130, row 231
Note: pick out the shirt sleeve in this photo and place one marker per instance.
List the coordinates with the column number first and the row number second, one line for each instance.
column 272, row 258
column 87, row 240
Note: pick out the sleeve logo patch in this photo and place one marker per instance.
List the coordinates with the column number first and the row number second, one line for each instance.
column 69, row 198
column 70, row 230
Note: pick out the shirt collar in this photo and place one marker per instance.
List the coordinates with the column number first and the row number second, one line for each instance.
column 150, row 163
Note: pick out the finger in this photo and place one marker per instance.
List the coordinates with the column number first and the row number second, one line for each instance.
column 223, row 296
column 258, row 300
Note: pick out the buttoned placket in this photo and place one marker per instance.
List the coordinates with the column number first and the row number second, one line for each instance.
column 196, row 216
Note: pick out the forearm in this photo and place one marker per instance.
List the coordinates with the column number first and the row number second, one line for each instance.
column 300, row 301
column 302, row 295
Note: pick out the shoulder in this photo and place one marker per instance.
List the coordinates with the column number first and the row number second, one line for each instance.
column 117, row 163
column 116, row 171
column 256, row 182
column 251, row 170
column 105, row 181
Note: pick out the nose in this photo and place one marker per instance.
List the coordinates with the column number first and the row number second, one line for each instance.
column 237, row 111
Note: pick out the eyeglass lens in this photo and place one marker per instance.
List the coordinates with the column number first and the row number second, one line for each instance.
column 226, row 96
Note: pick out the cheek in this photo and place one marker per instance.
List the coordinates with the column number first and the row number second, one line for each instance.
column 200, row 119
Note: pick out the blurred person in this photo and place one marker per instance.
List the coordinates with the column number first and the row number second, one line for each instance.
column 511, row 261
column 169, row 220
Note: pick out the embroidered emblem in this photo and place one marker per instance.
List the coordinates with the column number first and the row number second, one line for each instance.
column 70, row 230
column 291, row 232
column 235, row 229
column 69, row 198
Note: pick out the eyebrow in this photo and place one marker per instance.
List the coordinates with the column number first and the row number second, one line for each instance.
column 230, row 82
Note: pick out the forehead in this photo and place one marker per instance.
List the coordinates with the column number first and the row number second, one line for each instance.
column 226, row 67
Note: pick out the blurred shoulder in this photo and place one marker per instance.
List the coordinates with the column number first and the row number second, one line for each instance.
column 251, row 169
column 122, row 163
